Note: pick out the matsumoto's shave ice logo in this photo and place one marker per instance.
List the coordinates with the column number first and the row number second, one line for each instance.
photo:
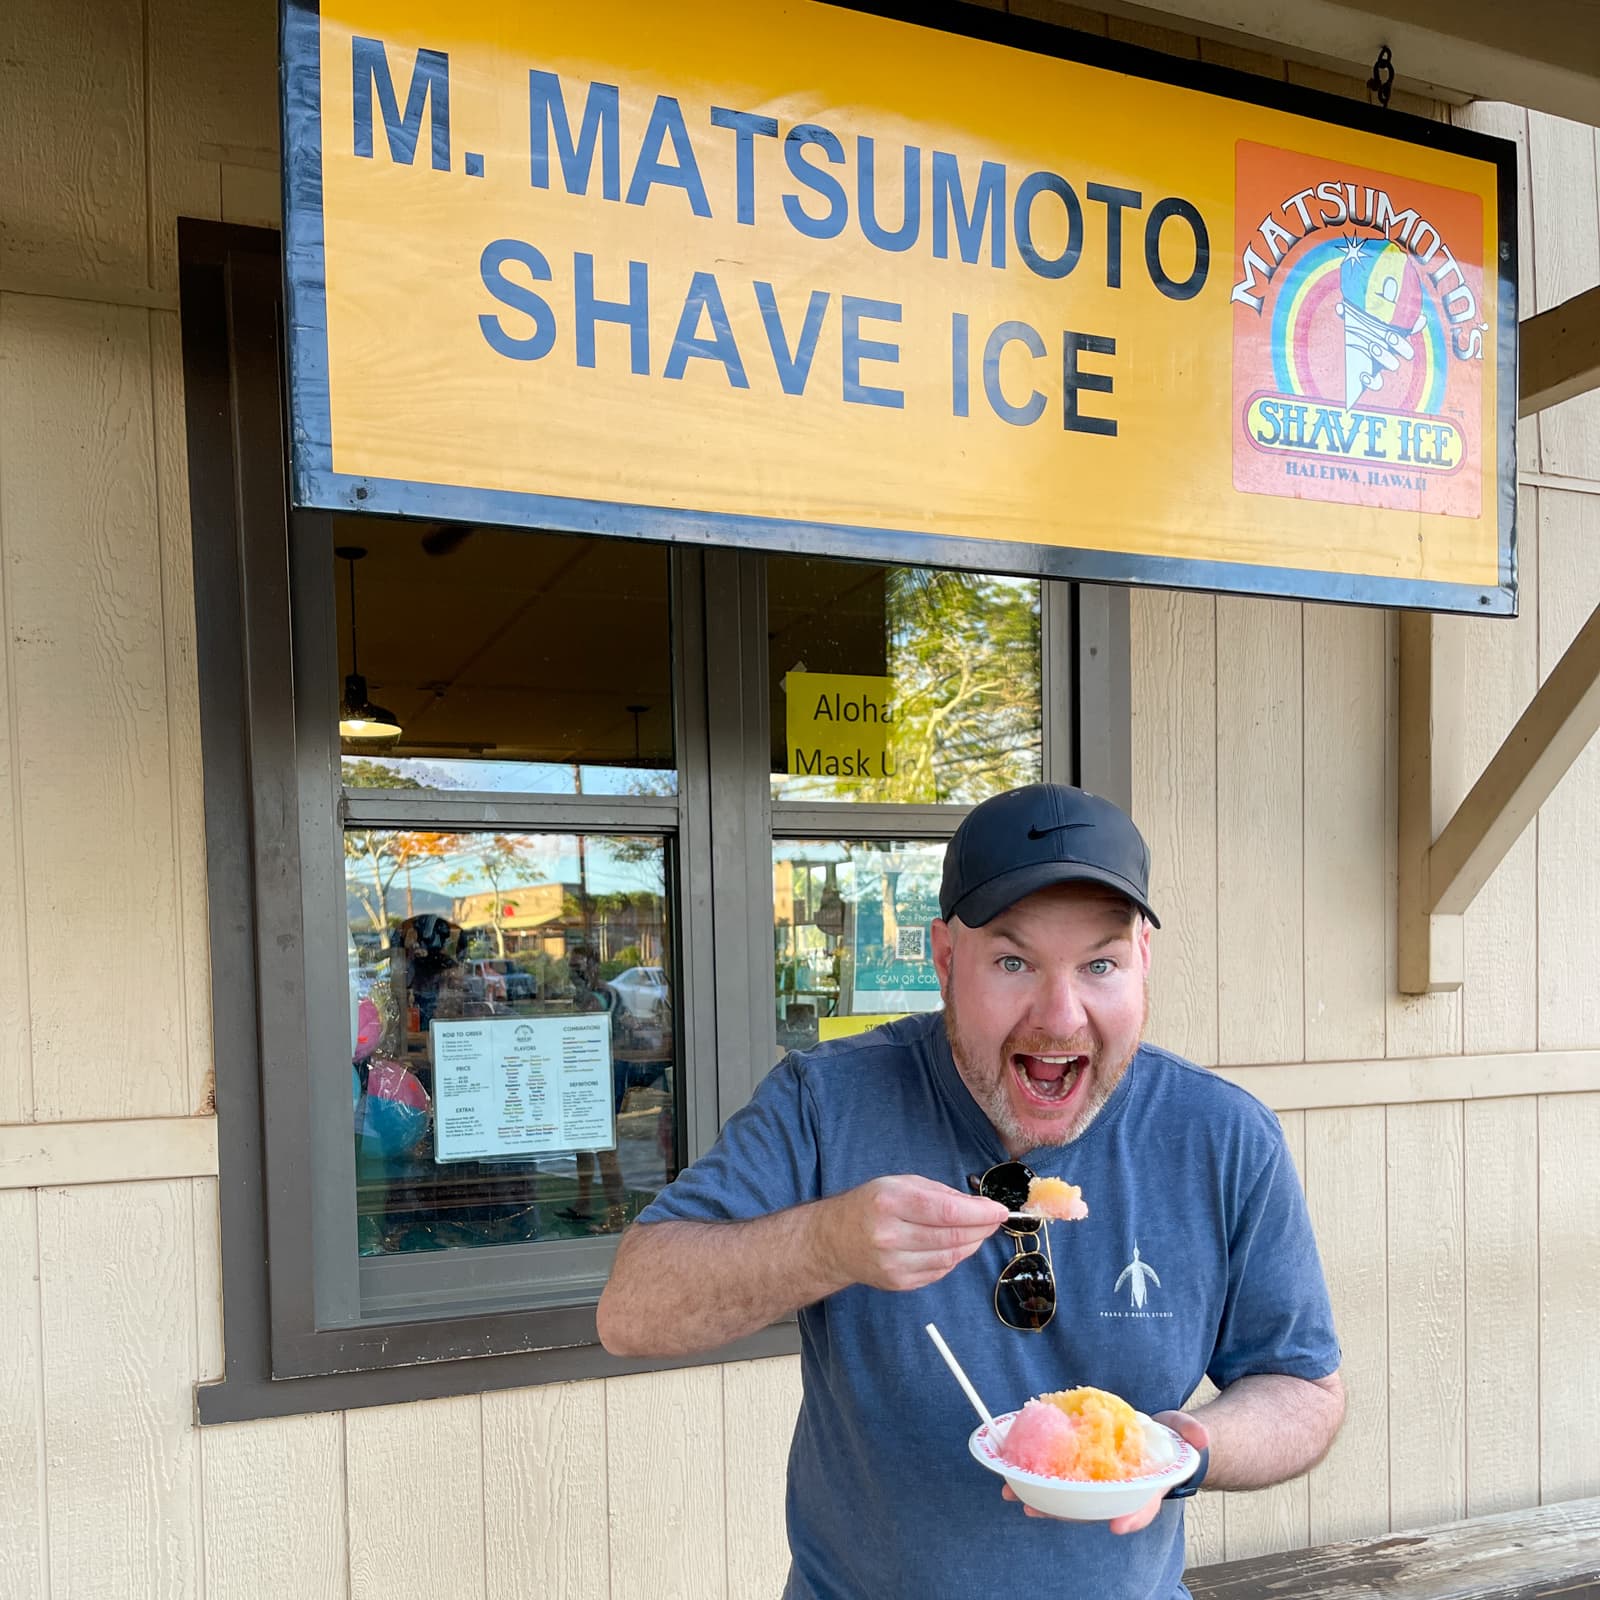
column 1358, row 336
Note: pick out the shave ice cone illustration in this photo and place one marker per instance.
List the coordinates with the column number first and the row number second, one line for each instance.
column 1381, row 304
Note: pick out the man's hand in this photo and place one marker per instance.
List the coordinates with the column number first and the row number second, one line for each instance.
column 1181, row 1423
column 1186, row 1427
column 903, row 1232
column 681, row 1287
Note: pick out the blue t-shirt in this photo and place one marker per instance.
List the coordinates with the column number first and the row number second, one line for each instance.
column 1188, row 1181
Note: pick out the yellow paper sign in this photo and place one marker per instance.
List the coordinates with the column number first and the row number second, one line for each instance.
column 845, row 1027
column 840, row 725
column 796, row 277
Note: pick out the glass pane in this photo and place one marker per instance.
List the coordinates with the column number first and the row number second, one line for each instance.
column 514, row 662
column 850, row 934
column 901, row 684
column 511, row 1020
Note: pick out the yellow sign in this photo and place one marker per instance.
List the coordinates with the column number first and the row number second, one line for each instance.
column 791, row 276
column 840, row 725
column 846, row 1027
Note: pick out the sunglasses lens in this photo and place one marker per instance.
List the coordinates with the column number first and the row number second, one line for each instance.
column 1025, row 1296
column 1008, row 1184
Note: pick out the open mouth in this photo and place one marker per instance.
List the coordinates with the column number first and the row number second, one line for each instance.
column 1049, row 1080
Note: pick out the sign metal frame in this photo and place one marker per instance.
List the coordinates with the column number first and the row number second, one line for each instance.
column 316, row 484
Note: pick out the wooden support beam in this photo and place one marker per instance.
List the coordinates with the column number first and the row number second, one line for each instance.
column 1558, row 353
column 1430, row 950
column 1443, row 864
column 1549, row 736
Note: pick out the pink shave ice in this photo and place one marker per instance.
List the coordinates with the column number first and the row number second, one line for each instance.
column 1040, row 1438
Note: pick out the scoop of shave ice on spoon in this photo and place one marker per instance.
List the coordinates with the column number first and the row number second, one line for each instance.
column 1056, row 1199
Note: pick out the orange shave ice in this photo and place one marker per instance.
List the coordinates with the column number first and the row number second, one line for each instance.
column 1085, row 1434
column 1057, row 1199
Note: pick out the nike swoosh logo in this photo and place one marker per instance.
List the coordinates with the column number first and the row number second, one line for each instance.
column 1056, row 827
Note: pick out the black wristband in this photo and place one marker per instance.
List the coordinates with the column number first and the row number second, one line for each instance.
column 1191, row 1484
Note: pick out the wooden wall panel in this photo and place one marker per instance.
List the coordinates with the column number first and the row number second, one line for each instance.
column 1511, row 122
column 760, row 1401
column 22, row 1461
column 1279, row 1518
column 1500, row 994
column 1569, row 1287
column 1502, row 1304
column 1152, row 36
column 273, row 1498
column 252, row 195
column 1174, row 661
column 175, row 536
column 1566, row 261
column 415, row 1500
column 1058, row 12
column 207, row 1280
column 1216, row 53
column 1344, row 812
column 1427, row 1342
column 117, row 1301
column 1345, row 1194
column 1569, row 863
column 545, row 1492
column 78, row 504
column 16, row 1045
column 72, row 164
column 213, row 104
column 1205, row 1516
column 666, row 1475
column 1260, row 877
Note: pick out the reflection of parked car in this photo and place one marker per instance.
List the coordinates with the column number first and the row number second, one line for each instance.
column 499, row 981
column 642, row 990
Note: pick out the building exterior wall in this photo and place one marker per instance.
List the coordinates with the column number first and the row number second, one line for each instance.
column 1445, row 1142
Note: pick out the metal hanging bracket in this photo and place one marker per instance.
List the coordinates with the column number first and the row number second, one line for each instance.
column 1382, row 80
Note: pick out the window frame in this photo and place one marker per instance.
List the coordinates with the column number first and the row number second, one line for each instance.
column 267, row 679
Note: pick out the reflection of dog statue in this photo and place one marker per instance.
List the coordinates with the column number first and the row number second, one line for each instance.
column 433, row 948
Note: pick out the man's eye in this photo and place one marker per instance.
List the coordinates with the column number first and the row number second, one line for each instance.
column 1101, row 965
column 1012, row 963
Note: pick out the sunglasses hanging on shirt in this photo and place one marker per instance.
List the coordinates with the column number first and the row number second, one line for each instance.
column 1025, row 1294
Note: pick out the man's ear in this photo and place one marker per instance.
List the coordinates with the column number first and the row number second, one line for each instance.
column 943, row 951
column 1142, row 940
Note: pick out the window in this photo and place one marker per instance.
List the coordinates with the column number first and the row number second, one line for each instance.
column 529, row 853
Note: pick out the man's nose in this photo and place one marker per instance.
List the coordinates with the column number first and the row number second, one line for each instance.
column 1059, row 1009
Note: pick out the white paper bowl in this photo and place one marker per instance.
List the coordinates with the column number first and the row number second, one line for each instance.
column 1089, row 1502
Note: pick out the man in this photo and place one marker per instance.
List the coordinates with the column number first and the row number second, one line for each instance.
column 841, row 1192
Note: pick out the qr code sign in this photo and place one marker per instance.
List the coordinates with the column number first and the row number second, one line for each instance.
column 911, row 944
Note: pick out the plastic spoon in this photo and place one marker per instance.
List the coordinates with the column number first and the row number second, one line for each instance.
column 961, row 1378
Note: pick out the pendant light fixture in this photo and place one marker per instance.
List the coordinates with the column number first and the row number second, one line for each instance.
column 359, row 719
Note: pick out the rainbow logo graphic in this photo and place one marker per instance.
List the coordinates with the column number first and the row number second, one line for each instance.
column 1357, row 365
column 1353, row 324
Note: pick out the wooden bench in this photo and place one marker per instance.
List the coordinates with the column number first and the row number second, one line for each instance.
column 1549, row 1553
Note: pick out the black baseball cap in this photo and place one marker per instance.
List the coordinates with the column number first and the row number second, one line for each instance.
column 1030, row 838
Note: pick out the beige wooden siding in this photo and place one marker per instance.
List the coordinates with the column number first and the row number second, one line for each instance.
column 1458, row 1242
column 1458, row 1235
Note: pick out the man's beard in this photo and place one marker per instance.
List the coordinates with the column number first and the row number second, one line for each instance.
column 989, row 1089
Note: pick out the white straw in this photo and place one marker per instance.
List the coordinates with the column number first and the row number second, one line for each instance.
column 961, row 1377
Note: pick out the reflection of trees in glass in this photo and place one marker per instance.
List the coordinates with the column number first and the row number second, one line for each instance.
column 963, row 651
column 375, row 857
column 497, row 858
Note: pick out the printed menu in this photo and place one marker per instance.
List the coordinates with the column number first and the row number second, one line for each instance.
column 516, row 1086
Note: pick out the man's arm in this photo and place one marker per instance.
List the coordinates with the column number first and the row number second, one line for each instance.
column 1267, row 1428
column 681, row 1287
